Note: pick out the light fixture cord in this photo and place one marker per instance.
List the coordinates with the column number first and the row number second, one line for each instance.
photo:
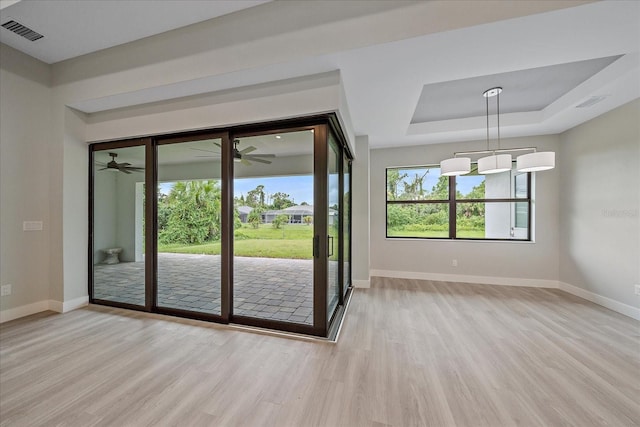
column 498, row 112
column 487, row 100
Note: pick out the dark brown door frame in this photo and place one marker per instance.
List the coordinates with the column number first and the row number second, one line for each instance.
column 148, row 278
column 224, row 281
column 321, row 126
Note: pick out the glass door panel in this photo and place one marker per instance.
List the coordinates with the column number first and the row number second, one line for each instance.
column 118, row 225
column 346, row 217
column 189, row 226
column 333, row 226
column 274, row 227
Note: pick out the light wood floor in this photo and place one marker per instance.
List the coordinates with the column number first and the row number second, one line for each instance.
column 411, row 353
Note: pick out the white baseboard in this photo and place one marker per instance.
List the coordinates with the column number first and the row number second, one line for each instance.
column 37, row 307
column 75, row 304
column 484, row 280
column 361, row 283
column 23, row 310
column 627, row 310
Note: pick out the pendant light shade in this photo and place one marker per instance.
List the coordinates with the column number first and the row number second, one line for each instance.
column 455, row 166
column 494, row 164
column 534, row 162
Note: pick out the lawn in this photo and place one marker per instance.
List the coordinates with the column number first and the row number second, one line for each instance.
column 291, row 241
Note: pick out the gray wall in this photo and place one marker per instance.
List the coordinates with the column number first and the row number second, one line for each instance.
column 24, row 177
column 600, row 203
column 529, row 261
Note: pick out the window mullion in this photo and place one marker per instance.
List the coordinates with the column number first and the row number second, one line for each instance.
column 452, row 207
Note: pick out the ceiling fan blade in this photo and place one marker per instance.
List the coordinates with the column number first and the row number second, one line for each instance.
column 217, row 144
column 105, row 168
column 245, row 162
column 259, row 160
column 248, row 150
column 206, row 151
column 262, row 155
column 133, row 168
column 123, row 164
column 125, row 171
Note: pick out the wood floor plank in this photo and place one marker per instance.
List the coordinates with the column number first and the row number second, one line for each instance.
column 411, row 353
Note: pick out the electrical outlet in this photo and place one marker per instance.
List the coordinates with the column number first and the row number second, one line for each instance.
column 637, row 289
column 454, row 263
column 5, row 290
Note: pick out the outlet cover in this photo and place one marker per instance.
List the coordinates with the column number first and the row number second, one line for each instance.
column 32, row 226
column 5, row 290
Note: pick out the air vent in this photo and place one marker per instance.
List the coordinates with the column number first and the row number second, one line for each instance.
column 21, row 30
column 591, row 101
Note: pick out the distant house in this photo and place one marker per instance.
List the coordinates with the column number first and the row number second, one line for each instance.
column 296, row 214
column 244, row 212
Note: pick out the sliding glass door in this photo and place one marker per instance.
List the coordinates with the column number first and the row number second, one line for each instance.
column 189, row 225
column 248, row 225
column 273, row 192
column 118, row 205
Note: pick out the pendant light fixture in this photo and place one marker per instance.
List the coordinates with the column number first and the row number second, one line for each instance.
column 500, row 159
column 494, row 163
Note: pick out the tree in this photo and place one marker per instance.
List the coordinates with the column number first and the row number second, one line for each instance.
column 440, row 191
column 308, row 220
column 393, row 180
column 280, row 201
column 255, row 218
column 280, row 220
column 414, row 190
column 193, row 213
column 255, row 198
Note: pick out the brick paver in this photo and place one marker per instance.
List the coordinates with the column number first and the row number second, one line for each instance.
column 267, row 288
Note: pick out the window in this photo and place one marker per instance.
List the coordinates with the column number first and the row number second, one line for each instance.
column 423, row 204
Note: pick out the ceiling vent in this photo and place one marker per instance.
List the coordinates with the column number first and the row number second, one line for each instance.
column 591, row 101
column 21, row 30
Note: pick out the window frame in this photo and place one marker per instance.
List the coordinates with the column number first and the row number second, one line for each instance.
column 453, row 203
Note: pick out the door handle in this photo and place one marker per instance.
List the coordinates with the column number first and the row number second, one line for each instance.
column 316, row 246
column 330, row 244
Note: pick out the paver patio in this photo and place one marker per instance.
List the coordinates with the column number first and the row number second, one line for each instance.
column 266, row 288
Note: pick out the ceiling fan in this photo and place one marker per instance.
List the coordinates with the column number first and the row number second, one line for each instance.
column 241, row 156
column 122, row 167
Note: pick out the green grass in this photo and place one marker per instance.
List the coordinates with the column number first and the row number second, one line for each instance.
column 265, row 241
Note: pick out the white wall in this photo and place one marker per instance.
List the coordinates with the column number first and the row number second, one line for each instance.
column 24, row 177
column 360, row 215
column 525, row 263
column 600, row 205
column 104, row 208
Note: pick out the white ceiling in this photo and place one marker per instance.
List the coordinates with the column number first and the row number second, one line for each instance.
column 72, row 28
column 383, row 82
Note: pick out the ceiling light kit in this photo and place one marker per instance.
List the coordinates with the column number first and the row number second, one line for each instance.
column 499, row 160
